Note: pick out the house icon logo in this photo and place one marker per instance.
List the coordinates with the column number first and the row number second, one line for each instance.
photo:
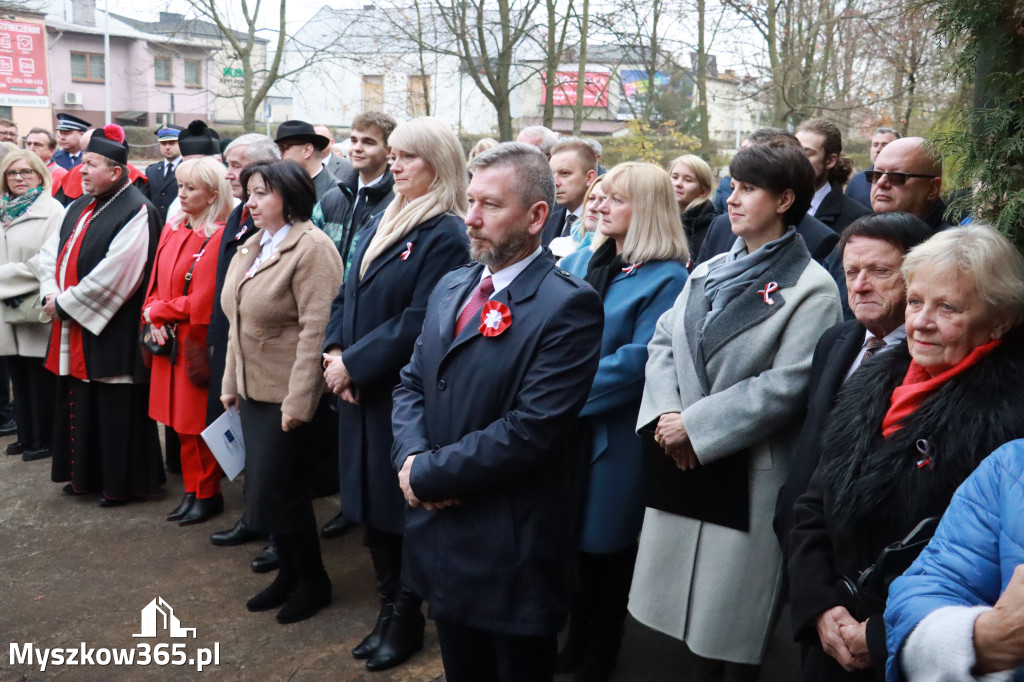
column 157, row 615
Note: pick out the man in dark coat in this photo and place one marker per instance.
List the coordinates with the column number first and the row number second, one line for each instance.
column 859, row 187
column 823, row 143
column 366, row 191
column 484, row 426
column 574, row 165
column 872, row 251
column 249, row 148
column 94, row 271
column 161, row 185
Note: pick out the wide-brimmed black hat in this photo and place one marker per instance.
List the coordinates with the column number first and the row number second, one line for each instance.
column 302, row 132
column 100, row 144
column 69, row 122
column 198, row 138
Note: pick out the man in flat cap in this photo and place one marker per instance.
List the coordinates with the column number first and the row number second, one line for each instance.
column 69, row 135
column 299, row 142
column 93, row 274
column 161, row 185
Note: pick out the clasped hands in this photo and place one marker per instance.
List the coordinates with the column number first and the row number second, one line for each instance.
column 410, row 496
column 671, row 435
column 50, row 306
column 844, row 638
column 338, row 379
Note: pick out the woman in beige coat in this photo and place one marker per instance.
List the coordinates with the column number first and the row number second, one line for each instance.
column 727, row 375
column 277, row 298
column 28, row 215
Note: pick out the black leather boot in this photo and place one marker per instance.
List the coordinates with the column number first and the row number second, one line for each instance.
column 182, row 508
column 203, row 509
column 387, row 564
column 275, row 594
column 313, row 591
column 608, row 579
column 403, row 636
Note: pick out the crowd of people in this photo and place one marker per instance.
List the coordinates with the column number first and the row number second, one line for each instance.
column 550, row 393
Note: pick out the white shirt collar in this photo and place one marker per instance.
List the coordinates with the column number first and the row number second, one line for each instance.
column 891, row 339
column 371, row 183
column 274, row 240
column 502, row 278
column 819, row 197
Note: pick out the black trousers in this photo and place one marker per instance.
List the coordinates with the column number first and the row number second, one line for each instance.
column 473, row 655
column 35, row 391
column 104, row 439
column 277, row 469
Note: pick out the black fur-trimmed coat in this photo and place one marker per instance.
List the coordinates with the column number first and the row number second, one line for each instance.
column 868, row 490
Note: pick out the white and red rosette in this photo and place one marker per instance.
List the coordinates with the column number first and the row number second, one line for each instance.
column 495, row 318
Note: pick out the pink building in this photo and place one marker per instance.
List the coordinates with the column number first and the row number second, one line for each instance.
column 153, row 78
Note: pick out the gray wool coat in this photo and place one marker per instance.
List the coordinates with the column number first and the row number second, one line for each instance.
column 714, row 587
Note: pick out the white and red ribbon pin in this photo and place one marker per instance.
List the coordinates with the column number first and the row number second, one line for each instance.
column 631, row 267
column 769, row 289
column 495, row 318
column 407, row 252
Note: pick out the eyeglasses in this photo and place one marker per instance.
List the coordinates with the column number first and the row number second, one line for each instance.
column 25, row 173
column 896, row 179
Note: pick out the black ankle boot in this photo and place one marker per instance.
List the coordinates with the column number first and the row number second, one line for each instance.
column 403, row 636
column 183, row 507
column 203, row 509
column 608, row 580
column 286, row 582
column 387, row 564
column 313, row 591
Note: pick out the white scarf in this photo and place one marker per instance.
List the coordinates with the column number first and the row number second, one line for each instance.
column 399, row 219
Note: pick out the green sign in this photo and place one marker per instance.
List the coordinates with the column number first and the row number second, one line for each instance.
column 233, row 73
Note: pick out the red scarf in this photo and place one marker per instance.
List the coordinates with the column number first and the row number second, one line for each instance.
column 918, row 385
column 77, row 369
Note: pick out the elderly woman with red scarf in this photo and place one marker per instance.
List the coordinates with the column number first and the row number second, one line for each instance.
column 908, row 428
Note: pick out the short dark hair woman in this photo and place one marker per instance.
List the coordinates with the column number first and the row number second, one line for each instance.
column 376, row 318
column 908, row 428
column 726, row 381
column 277, row 298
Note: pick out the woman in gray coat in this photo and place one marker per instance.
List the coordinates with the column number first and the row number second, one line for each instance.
column 726, row 378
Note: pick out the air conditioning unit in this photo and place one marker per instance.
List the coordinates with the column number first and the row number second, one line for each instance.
column 72, row 98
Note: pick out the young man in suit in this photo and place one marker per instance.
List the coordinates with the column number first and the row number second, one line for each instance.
column 872, row 250
column 69, row 133
column 574, row 165
column 484, row 425
column 161, row 185
column 823, row 143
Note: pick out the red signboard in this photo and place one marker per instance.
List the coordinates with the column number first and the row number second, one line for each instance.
column 595, row 89
column 23, row 65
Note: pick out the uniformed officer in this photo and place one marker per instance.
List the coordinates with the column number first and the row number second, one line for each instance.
column 161, row 185
column 69, row 134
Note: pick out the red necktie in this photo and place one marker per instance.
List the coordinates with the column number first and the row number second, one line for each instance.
column 476, row 302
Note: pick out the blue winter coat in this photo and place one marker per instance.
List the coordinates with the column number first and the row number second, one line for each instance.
column 633, row 303
column 971, row 559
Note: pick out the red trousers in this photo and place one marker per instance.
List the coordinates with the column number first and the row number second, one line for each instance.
column 199, row 469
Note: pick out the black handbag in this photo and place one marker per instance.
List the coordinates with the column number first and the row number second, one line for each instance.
column 869, row 593
column 170, row 347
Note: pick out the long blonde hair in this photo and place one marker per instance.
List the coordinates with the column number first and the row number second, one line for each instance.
column 436, row 143
column 205, row 171
column 655, row 231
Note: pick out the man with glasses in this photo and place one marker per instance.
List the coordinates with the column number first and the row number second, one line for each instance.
column 908, row 177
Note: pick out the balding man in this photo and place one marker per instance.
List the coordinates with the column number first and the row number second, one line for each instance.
column 540, row 137
column 338, row 166
column 859, row 187
column 908, row 177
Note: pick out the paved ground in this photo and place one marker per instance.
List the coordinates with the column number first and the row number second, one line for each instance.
column 73, row 573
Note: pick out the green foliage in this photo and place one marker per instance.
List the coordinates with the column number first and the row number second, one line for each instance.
column 987, row 140
column 659, row 144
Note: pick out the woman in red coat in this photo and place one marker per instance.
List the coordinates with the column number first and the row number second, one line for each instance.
column 180, row 303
